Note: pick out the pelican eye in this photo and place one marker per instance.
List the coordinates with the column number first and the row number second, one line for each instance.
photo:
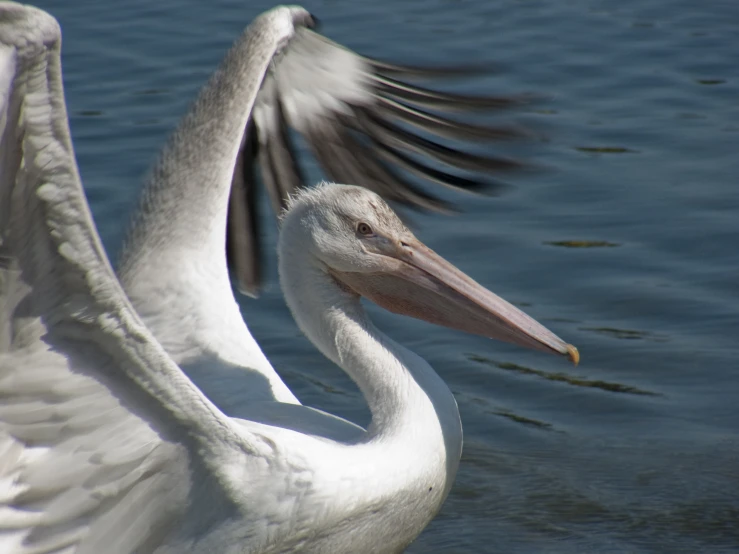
column 364, row 229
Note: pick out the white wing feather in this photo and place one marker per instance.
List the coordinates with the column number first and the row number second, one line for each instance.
column 100, row 432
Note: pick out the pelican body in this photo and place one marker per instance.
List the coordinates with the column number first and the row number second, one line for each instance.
column 137, row 413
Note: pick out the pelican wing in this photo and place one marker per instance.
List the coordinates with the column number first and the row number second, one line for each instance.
column 362, row 124
column 101, row 434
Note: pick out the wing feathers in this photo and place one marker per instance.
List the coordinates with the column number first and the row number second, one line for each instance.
column 361, row 122
column 99, row 429
column 347, row 159
column 443, row 100
column 242, row 236
column 393, row 136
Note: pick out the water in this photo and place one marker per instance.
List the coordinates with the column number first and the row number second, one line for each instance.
column 627, row 245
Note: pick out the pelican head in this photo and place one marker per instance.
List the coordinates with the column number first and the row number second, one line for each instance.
column 358, row 240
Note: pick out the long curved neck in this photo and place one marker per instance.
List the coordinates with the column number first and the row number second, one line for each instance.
column 410, row 404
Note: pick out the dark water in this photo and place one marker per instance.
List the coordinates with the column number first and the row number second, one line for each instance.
column 627, row 246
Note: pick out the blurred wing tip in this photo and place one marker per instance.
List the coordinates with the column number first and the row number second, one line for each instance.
column 460, row 70
column 252, row 290
column 431, row 204
column 494, row 188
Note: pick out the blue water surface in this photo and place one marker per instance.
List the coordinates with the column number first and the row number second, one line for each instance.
column 625, row 243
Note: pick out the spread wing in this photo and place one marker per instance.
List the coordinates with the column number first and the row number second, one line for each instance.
column 363, row 124
column 101, row 435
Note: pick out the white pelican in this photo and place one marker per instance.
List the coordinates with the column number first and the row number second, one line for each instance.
column 107, row 446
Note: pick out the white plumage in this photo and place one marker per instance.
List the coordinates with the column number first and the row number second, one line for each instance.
column 105, row 444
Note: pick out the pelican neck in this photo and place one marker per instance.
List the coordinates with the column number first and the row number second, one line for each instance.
column 405, row 395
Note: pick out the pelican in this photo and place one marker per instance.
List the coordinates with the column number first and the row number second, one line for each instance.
column 106, row 444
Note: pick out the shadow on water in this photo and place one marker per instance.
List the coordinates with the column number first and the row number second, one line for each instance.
column 627, row 334
column 523, row 420
column 582, row 243
column 486, row 407
column 560, row 377
column 606, row 150
column 89, row 113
